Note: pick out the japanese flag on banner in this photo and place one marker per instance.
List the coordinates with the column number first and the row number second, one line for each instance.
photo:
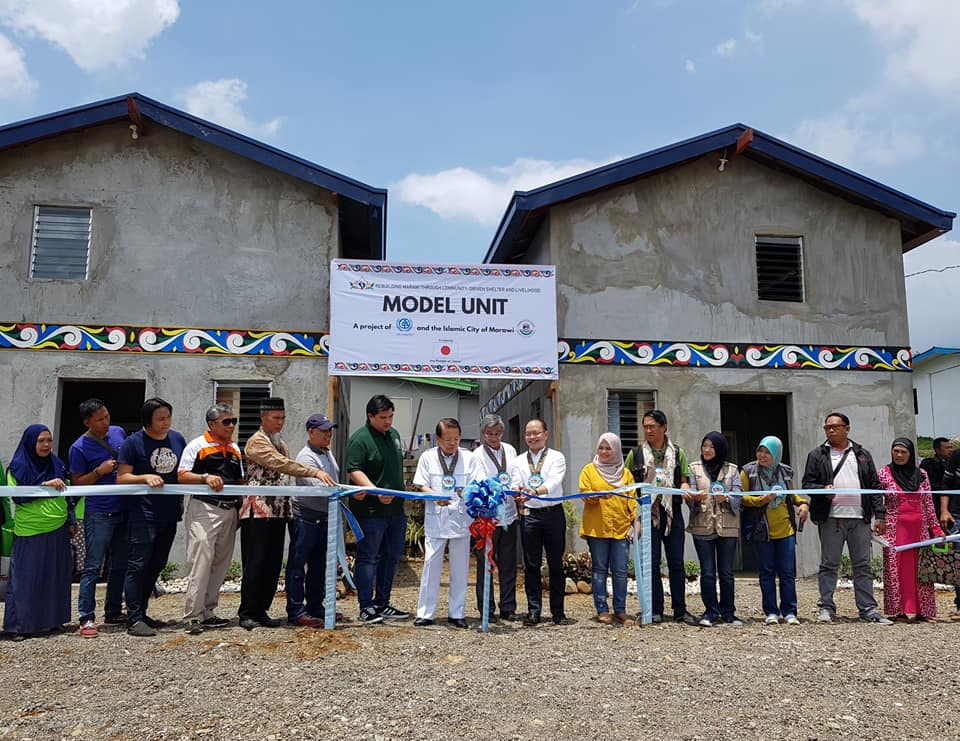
column 447, row 350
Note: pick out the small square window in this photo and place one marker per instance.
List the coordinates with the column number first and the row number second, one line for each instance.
column 61, row 243
column 625, row 410
column 245, row 398
column 779, row 268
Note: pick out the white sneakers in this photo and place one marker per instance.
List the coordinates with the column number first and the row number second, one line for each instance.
column 772, row 619
column 824, row 616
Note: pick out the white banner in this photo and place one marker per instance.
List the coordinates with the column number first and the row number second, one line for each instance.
column 460, row 321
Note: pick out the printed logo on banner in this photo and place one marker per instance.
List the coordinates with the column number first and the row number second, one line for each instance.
column 447, row 351
column 404, row 325
column 362, row 285
column 526, row 328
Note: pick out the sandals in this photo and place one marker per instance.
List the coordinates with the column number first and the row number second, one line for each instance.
column 604, row 618
column 624, row 619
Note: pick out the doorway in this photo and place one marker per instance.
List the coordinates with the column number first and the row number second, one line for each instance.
column 123, row 398
column 745, row 419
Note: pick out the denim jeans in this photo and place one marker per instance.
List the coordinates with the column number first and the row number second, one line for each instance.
column 609, row 555
column 673, row 545
column 103, row 531
column 716, row 558
column 147, row 553
column 776, row 559
column 377, row 557
column 307, row 549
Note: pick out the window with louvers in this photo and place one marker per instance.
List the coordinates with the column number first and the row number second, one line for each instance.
column 625, row 410
column 779, row 268
column 61, row 243
column 245, row 400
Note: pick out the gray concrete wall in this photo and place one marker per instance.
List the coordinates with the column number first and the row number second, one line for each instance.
column 672, row 257
column 184, row 233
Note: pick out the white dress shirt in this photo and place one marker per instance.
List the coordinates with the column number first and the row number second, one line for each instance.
column 451, row 521
column 553, row 470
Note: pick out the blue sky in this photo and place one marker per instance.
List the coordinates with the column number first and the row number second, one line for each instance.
column 453, row 107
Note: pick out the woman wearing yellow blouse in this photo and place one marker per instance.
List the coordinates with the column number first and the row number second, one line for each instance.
column 607, row 527
column 776, row 551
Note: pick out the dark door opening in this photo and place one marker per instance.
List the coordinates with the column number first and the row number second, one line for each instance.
column 123, row 399
column 745, row 419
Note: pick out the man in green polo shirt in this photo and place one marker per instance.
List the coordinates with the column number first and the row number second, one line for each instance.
column 374, row 458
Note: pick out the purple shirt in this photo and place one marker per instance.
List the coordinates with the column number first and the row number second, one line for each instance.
column 86, row 454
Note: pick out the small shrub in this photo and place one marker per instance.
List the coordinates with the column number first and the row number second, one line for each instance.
column 846, row 567
column 416, row 535
column 577, row 566
column 876, row 566
column 691, row 569
column 235, row 571
column 168, row 571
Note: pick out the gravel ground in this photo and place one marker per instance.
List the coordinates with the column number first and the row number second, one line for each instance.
column 584, row 680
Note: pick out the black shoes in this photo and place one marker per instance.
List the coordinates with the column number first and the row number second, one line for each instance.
column 508, row 616
column 532, row 618
column 457, row 622
column 214, row 622
column 422, row 622
column 561, row 619
column 249, row 623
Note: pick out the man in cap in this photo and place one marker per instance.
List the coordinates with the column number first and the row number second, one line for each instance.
column 263, row 519
column 211, row 460
column 308, row 547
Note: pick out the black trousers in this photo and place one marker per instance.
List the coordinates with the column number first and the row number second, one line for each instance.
column 505, row 554
column 544, row 530
column 261, row 553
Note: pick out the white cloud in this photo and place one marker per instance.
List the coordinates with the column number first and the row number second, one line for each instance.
column 14, row 77
column 95, row 33
column 689, row 66
column 462, row 193
column 852, row 139
column 926, row 294
column 219, row 101
column 921, row 38
column 725, row 48
column 752, row 37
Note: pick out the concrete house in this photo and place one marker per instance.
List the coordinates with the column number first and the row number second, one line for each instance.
column 144, row 252
column 734, row 281
column 936, row 389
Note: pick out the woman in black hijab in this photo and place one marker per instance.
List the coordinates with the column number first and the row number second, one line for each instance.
column 910, row 518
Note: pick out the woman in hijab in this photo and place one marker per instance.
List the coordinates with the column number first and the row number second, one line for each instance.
column 715, row 526
column 910, row 517
column 38, row 591
column 607, row 526
column 774, row 537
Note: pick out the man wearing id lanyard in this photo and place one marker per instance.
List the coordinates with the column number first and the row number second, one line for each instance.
column 445, row 470
column 840, row 463
column 496, row 457
column 543, row 525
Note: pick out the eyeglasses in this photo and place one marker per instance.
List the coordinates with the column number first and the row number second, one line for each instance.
column 229, row 421
column 828, row 428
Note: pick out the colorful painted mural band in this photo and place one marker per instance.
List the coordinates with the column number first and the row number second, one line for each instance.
column 164, row 340
column 219, row 342
column 734, row 355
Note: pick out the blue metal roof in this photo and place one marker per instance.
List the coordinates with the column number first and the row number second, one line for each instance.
column 920, row 222
column 933, row 351
column 366, row 216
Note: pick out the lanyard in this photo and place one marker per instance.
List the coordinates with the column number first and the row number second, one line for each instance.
column 543, row 457
column 501, row 466
column 448, row 471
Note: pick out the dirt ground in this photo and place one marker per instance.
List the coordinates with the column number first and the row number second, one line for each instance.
column 583, row 680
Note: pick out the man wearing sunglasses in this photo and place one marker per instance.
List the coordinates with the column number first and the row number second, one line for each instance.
column 211, row 460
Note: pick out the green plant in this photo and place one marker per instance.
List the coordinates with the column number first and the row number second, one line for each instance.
column 573, row 517
column 846, row 567
column 876, row 566
column 166, row 574
column 691, row 569
column 235, row 571
column 416, row 534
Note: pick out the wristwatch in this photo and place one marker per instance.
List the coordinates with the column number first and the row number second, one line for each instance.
column 203, row 478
